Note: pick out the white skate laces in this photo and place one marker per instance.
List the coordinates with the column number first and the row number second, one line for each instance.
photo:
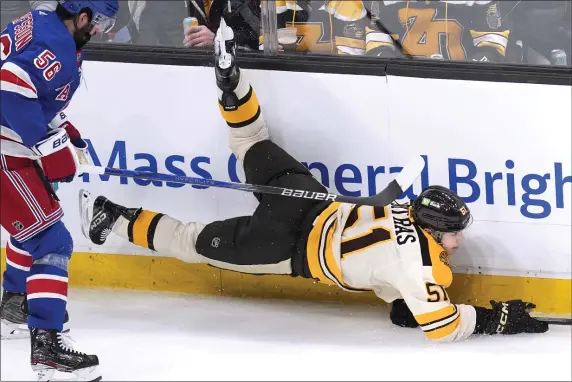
column 66, row 342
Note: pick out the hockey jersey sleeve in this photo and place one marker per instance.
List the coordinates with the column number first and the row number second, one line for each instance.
column 438, row 318
column 24, row 78
column 424, row 292
column 490, row 28
column 348, row 23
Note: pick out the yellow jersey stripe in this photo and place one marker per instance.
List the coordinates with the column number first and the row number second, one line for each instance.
column 499, row 48
column 435, row 316
column 313, row 245
column 442, row 274
column 350, row 42
column 476, row 34
column 444, row 331
column 330, row 261
column 371, row 45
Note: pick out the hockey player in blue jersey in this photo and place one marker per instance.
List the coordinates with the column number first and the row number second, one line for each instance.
column 41, row 70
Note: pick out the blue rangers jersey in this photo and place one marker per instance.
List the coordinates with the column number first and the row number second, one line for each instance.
column 40, row 72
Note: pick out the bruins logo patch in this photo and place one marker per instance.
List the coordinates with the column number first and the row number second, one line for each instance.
column 444, row 258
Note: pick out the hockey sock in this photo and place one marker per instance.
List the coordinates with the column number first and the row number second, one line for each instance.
column 162, row 233
column 47, row 284
column 18, row 263
column 242, row 114
column 141, row 231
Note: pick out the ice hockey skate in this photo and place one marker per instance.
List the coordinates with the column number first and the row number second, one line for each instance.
column 226, row 72
column 53, row 358
column 225, row 49
column 14, row 316
column 99, row 214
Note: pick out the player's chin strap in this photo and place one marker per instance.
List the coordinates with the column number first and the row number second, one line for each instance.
column 394, row 189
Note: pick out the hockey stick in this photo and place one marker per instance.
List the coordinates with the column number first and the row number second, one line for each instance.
column 554, row 320
column 395, row 188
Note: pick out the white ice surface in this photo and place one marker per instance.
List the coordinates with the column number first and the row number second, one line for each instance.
column 170, row 337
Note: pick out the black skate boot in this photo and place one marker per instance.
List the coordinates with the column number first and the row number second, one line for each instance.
column 226, row 71
column 100, row 214
column 54, row 359
column 14, row 316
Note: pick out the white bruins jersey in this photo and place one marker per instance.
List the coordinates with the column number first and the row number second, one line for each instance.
column 363, row 248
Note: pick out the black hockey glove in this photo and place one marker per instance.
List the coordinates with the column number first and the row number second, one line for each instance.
column 401, row 315
column 510, row 317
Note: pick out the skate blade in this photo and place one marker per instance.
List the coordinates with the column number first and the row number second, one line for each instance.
column 89, row 374
column 224, row 34
column 20, row 331
column 85, row 210
column 11, row 331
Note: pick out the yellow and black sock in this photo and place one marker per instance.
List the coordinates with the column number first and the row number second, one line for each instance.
column 141, row 230
column 243, row 108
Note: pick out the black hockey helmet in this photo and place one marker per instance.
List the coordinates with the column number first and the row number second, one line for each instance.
column 440, row 209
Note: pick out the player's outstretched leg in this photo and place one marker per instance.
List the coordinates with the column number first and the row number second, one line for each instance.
column 148, row 229
column 237, row 100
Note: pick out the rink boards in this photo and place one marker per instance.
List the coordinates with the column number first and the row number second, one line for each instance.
column 504, row 147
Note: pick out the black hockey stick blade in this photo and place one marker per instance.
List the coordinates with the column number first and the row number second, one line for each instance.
column 395, row 188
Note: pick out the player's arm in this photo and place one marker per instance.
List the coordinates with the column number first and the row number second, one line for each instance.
column 24, row 80
column 438, row 318
column 379, row 43
column 19, row 94
column 348, row 22
column 443, row 321
column 383, row 20
column 61, row 121
column 490, row 31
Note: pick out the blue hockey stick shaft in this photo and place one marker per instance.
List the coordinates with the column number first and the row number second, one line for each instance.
column 395, row 188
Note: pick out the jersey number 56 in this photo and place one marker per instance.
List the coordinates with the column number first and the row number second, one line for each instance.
column 43, row 62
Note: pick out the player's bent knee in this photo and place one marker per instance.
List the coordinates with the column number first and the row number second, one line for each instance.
column 55, row 240
column 54, row 260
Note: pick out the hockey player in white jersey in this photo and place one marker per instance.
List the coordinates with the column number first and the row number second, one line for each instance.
column 399, row 252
